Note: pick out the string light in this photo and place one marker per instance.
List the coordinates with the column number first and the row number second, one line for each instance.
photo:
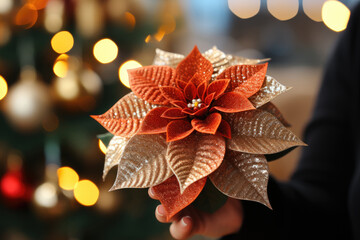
column 335, row 15
column 105, row 50
column 102, row 147
column 86, row 192
column 62, row 42
column 283, row 9
column 312, row 9
column 244, row 8
column 67, row 178
column 123, row 75
column 3, row 87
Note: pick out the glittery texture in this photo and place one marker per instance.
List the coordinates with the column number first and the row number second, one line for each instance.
column 143, row 163
column 246, row 79
column 169, row 195
column 163, row 58
column 259, row 132
column 146, row 81
column 243, row 176
column 114, row 151
column 271, row 108
column 195, row 157
column 194, row 63
column 124, row 118
column 208, row 104
column 269, row 90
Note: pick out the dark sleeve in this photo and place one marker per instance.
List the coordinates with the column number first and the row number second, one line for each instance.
column 313, row 204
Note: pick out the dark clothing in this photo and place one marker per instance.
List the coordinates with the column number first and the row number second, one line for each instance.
column 322, row 198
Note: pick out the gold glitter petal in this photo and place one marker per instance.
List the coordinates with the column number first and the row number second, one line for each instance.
column 250, row 173
column 143, row 163
column 195, row 157
column 163, row 58
column 259, row 132
column 114, row 151
column 268, row 91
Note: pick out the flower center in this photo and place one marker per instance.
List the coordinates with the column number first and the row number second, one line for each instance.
column 195, row 103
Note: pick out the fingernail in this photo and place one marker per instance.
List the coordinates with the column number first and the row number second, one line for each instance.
column 151, row 191
column 161, row 210
column 186, row 221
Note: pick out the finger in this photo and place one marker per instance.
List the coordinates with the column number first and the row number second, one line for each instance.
column 160, row 214
column 152, row 194
column 183, row 228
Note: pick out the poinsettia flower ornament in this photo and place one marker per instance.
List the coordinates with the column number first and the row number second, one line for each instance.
column 194, row 118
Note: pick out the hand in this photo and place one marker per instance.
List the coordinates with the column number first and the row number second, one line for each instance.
column 190, row 221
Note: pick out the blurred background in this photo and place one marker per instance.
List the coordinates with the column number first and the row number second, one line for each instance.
column 63, row 60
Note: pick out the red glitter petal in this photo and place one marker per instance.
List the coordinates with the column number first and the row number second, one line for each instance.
column 178, row 129
column 218, row 87
column 209, row 125
column 232, row 102
column 197, row 79
column 173, row 113
column 209, row 99
column 172, row 93
column 224, row 129
column 194, row 63
column 170, row 197
column 201, row 89
column 181, row 84
column 190, row 91
column 153, row 122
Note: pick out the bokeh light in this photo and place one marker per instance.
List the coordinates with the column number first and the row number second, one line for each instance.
column 130, row 20
column 283, row 9
column 61, row 68
column 5, row 6
column 102, row 147
column 11, row 185
column 3, row 87
column 105, row 50
column 45, row 195
column 148, row 38
column 62, row 42
column 38, row 4
column 244, row 8
column 312, row 9
column 335, row 15
column 123, row 74
column 86, row 192
column 67, row 87
column 26, row 16
column 159, row 35
column 67, row 178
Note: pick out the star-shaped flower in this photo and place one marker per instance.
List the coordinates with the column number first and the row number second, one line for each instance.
column 197, row 117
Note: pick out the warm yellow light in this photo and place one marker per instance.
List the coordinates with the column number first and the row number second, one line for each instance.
column 67, row 178
column 62, row 42
column 123, row 75
column 283, row 9
column 335, row 15
column 130, row 20
column 86, row 192
column 67, row 87
column 102, row 146
column 313, row 9
column 105, row 50
column 244, row 8
column 148, row 38
column 159, row 35
column 3, row 87
column 61, row 68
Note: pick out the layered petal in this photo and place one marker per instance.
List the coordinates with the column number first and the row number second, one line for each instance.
column 259, row 132
column 114, row 152
column 125, row 117
column 173, row 113
column 172, row 94
column 195, row 157
column 224, row 129
column 268, row 91
column 190, row 91
column 250, row 173
column 218, row 87
column 170, row 197
column 194, row 63
column 153, row 122
column 231, row 102
column 246, row 79
column 143, row 163
column 164, row 58
column 178, row 129
column 271, row 108
column 145, row 82
column 208, row 125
